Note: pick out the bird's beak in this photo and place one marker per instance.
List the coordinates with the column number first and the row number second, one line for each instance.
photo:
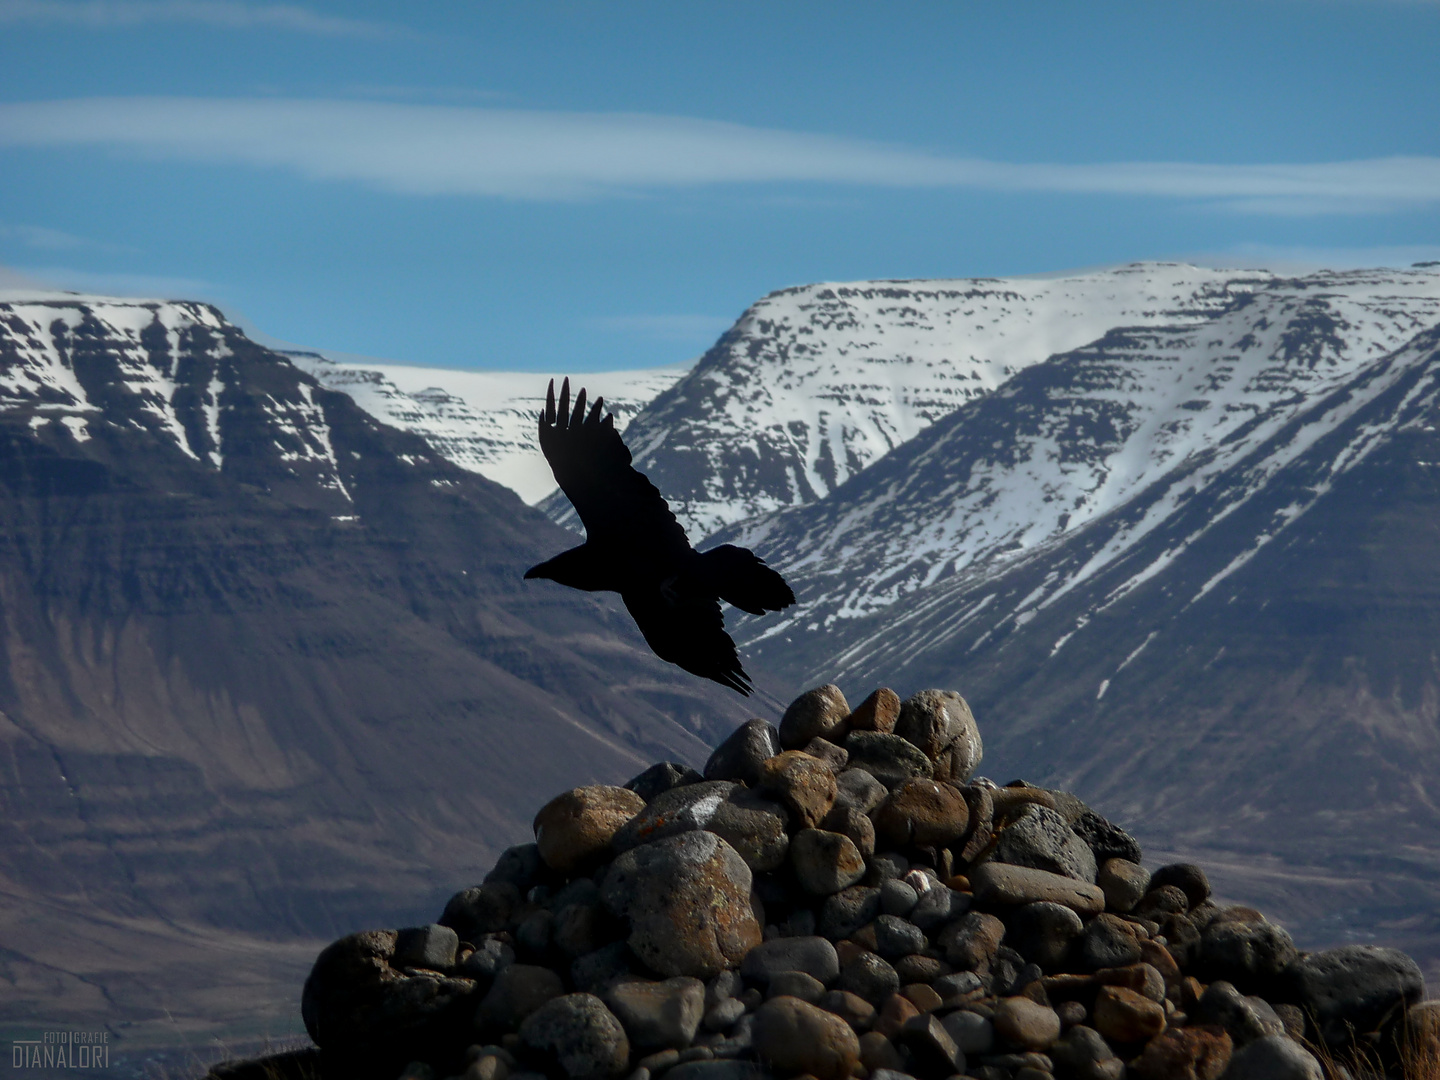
column 535, row 572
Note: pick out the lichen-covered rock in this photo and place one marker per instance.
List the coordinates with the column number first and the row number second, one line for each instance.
column 1002, row 885
column 825, row 862
column 573, row 830
column 579, row 1035
column 938, row 721
column 815, row 714
column 1124, row 1016
column 687, row 902
column 803, row 784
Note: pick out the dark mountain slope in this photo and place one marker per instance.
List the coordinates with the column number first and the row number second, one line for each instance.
column 267, row 665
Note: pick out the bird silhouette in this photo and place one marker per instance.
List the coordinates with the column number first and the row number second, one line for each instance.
column 634, row 546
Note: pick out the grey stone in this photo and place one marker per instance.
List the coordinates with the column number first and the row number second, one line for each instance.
column 795, row 984
column 580, row 1035
column 858, row 788
column 1274, row 1057
column 716, row 1070
column 897, row 897
column 432, row 947
column 825, row 862
column 581, row 929
column 958, row 983
column 491, row 956
column 870, row 977
column 890, row 759
column 756, row 827
column 1244, row 953
column 517, row 992
column 1225, row 1007
column 939, row 720
column 848, row 910
column 596, row 970
column 662, row 777
column 532, row 936
column 1107, row 944
column 933, row 1052
column 850, row 821
column 1105, row 840
column 1354, row 989
column 727, row 984
column 1084, row 1052
column 1043, row 933
column 482, row 909
column 1187, row 877
column 1162, row 901
column 815, row 956
column 937, row 907
column 518, row 866
column 658, row 1015
column 817, row 713
column 687, row 899
column 723, row 1014
column 679, row 810
column 896, row 937
column 1040, row 838
column 1123, row 883
column 740, row 755
column 832, row 754
column 973, row 1033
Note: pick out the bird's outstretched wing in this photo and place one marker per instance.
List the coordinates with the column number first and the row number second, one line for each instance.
column 689, row 630
column 616, row 503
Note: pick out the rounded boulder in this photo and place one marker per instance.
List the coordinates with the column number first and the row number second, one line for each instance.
column 573, row 831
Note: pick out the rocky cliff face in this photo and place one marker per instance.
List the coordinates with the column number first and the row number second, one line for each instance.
column 265, row 662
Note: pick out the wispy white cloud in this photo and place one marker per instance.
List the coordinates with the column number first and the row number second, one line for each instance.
column 41, row 238
column 676, row 328
column 229, row 14
column 454, row 150
column 1299, row 259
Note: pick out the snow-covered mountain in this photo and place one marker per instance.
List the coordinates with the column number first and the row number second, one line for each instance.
column 1143, row 416
column 813, row 384
column 483, row 421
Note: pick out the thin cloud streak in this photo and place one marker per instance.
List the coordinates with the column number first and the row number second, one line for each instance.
column 230, row 14
column 453, row 150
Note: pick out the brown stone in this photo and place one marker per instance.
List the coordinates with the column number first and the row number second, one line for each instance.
column 1142, row 978
column 1001, row 885
column 853, row 1009
column 1158, row 957
column 923, row 996
column 922, row 813
column 1124, row 1016
column 802, row 783
column 894, row 1011
column 878, row 1052
column 1192, row 1053
column 970, row 943
column 573, row 830
column 825, row 862
column 793, row 1036
column 878, row 712
column 1025, row 1024
column 817, row 713
column 853, row 822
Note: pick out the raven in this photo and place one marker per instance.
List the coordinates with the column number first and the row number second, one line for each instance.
column 634, row 546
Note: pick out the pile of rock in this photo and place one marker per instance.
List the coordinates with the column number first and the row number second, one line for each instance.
column 842, row 897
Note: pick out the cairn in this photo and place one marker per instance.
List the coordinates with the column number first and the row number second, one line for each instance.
column 842, row 897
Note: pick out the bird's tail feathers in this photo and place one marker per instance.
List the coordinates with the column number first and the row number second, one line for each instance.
column 740, row 577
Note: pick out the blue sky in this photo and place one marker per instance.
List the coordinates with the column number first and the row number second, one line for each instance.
column 578, row 187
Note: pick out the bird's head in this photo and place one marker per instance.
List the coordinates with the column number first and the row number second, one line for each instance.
column 579, row 568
